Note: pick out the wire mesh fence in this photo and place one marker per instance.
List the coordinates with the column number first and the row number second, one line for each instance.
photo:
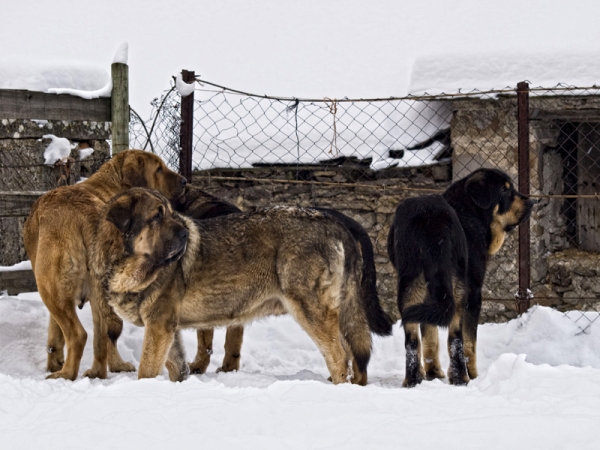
column 363, row 157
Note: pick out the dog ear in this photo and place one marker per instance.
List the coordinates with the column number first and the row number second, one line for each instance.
column 132, row 172
column 119, row 213
column 479, row 191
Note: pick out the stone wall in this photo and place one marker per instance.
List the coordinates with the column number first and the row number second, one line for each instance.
column 22, row 167
column 368, row 197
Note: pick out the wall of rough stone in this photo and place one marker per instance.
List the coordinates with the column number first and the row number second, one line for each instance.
column 368, row 197
column 22, row 167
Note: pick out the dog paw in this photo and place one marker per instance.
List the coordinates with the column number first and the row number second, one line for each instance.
column 54, row 366
column 472, row 372
column 360, row 380
column 230, row 364
column 458, row 377
column 459, row 381
column 121, row 367
column 177, row 374
column 62, row 374
column 434, row 373
column 413, row 381
column 95, row 373
column 199, row 367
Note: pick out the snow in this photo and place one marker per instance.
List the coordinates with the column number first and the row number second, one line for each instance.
column 84, row 79
column 23, row 265
column 122, row 54
column 539, row 385
column 59, row 149
column 182, row 87
column 469, row 72
column 105, row 91
column 85, row 152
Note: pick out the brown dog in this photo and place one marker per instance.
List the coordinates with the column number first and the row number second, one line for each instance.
column 164, row 271
column 200, row 205
column 57, row 236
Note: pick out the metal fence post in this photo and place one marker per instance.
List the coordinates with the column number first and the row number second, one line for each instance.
column 523, row 293
column 187, row 128
column 120, row 107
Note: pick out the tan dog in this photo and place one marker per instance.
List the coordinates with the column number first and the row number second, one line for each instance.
column 163, row 271
column 57, row 236
column 200, row 205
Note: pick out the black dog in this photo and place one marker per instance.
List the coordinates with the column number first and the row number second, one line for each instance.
column 440, row 246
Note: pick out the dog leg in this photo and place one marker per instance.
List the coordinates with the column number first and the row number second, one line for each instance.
column 457, row 372
column 471, row 319
column 75, row 338
column 358, row 377
column 205, row 349
column 158, row 339
column 56, row 347
column 412, row 343
column 233, row 346
column 98, row 369
column 431, row 350
column 176, row 365
column 323, row 329
column 115, row 328
column 64, row 314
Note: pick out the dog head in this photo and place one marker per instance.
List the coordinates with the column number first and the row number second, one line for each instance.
column 150, row 236
column 492, row 192
column 145, row 169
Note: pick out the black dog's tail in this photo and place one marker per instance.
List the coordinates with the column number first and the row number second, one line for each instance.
column 379, row 322
column 439, row 303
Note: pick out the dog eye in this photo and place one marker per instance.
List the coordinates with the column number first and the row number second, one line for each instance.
column 158, row 216
column 159, row 170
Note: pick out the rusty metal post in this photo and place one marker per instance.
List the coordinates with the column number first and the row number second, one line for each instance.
column 186, row 135
column 523, row 293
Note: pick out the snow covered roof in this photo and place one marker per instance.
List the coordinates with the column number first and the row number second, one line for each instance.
column 482, row 71
column 84, row 80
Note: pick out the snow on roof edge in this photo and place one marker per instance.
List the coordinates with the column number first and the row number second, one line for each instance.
column 472, row 73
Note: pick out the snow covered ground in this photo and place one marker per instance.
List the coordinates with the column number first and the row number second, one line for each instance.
column 539, row 388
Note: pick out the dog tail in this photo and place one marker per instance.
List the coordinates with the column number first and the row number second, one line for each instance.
column 439, row 305
column 379, row 322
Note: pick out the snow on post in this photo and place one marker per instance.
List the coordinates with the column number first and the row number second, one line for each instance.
column 183, row 87
column 122, row 54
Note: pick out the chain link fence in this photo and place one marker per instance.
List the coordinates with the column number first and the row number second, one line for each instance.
column 363, row 157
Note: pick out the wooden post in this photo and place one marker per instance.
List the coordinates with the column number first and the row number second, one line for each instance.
column 186, row 133
column 523, row 294
column 120, row 107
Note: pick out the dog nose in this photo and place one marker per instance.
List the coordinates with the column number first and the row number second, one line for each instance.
column 183, row 234
column 183, row 181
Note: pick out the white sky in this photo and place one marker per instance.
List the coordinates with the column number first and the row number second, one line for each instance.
column 309, row 48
